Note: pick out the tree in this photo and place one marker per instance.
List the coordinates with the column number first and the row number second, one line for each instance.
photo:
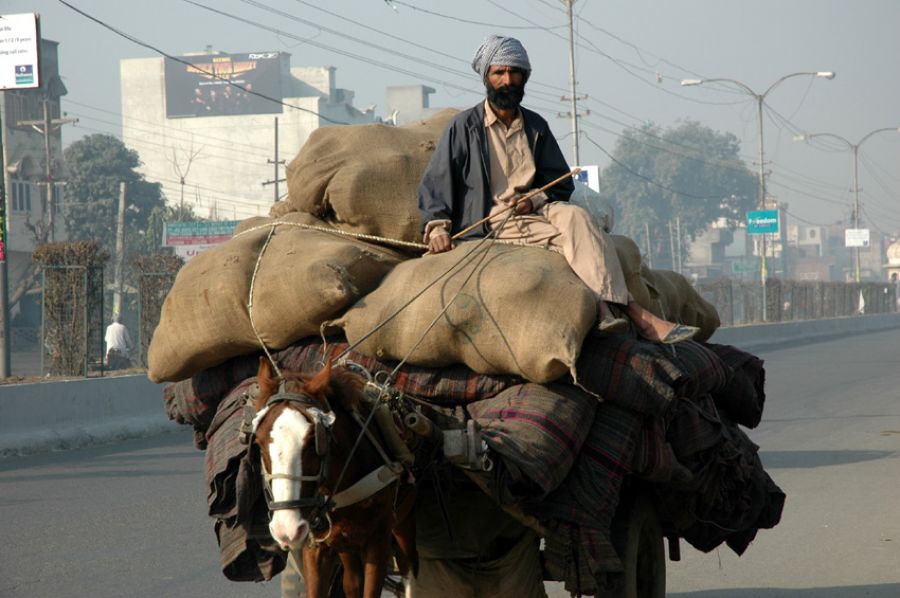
column 690, row 173
column 96, row 165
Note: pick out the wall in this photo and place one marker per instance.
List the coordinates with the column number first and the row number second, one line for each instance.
column 67, row 414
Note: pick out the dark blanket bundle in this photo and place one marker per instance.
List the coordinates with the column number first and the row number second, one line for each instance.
column 563, row 455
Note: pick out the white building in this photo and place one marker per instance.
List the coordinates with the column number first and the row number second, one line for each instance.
column 203, row 130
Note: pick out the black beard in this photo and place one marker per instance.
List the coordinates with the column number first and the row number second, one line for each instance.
column 506, row 97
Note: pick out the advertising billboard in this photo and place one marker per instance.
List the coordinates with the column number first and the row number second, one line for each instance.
column 202, row 85
column 762, row 221
column 19, row 51
column 856, row 237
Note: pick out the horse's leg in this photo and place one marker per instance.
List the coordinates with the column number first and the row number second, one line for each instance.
column 406, row 553
column 353, row 574
column 317, row 566
column 377, row 555
column 405, row 535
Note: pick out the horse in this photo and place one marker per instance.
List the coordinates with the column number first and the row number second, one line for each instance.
column 322, row 497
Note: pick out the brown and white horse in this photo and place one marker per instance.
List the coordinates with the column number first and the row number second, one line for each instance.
column 324, row 497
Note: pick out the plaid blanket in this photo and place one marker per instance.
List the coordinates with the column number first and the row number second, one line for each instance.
column 235, row 498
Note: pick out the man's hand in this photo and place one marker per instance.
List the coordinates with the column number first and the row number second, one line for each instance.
column 524, row 207
column 439, row 243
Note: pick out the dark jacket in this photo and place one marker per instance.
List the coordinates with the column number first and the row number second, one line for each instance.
column 456, row 184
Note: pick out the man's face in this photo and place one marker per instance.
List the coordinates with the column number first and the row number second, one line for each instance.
column 505, row 86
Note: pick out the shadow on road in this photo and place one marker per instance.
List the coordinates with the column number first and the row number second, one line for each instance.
column 810, row 459
column 887, row 590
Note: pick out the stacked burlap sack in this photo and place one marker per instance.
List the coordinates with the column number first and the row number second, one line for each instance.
column 495, row 308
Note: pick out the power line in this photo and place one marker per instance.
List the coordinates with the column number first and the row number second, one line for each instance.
column 650, row 180
column 467, row 21
column 135, row 40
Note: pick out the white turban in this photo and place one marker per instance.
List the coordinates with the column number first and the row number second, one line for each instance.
column 499, row 50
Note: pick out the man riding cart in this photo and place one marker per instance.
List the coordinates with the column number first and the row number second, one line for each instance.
column 552, row 419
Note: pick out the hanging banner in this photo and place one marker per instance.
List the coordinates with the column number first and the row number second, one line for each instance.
column 19, row 63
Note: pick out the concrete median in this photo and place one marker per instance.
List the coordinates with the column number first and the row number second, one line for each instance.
column 66, row 414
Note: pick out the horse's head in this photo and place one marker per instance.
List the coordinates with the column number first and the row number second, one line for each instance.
column 293, row 428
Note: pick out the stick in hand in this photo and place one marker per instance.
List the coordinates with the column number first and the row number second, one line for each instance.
column 513, row 205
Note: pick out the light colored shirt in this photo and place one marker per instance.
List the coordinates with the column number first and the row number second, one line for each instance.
column 117, row 338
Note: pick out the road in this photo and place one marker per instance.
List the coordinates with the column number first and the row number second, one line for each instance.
column 129, row 519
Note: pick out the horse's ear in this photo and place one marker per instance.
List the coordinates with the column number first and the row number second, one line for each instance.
column 320, row 383
column 265, row 370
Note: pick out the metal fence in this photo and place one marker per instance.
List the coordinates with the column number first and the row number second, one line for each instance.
column 72, row 320
column 740, row 302
column 152, row 290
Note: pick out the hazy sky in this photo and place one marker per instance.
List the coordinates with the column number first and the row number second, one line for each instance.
column 632, row 56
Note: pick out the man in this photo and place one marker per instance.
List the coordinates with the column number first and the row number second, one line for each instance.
column 118, row 344
column 494, row 153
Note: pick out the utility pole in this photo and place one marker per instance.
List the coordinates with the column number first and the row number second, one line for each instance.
column 569, row 19
column 276, row 162
column 120, row 253
column 5, row 369
column 45, row 126
column 649, row 246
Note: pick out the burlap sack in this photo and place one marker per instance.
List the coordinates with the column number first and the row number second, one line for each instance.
column 304, row 278
column 630, row 259
column 676, row 300
column 521, row 311
column 363, row 178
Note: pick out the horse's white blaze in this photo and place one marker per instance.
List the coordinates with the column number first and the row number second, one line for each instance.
column 290, row 432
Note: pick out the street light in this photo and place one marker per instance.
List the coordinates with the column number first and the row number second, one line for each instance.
column 854, row 147
column 760, row 99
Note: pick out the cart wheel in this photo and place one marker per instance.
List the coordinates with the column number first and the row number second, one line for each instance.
column 643, row 553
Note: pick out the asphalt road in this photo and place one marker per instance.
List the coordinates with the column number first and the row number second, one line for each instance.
column 129, row 519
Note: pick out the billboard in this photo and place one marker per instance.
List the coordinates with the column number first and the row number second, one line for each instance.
column 202, row 85
column 19, row 51
column 762, row 221
column 856, row 237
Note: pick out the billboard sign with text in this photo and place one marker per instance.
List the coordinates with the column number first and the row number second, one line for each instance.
column 19, row 62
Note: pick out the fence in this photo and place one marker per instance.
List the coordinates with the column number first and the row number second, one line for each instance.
column 152, row 290
column 740, row 302
column 71, row 320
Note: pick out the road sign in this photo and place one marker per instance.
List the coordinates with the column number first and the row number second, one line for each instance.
column 19, row 65
column 745, row 266
column 856, row 237
column 201, row 232
column 762, row 221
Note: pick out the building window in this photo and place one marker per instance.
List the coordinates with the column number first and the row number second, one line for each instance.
column 21, row 196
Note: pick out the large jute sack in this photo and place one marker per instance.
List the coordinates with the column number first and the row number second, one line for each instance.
column 676, row 300
column 304, row 278
column 520, row 310
column 630, row 259
column 363, row 178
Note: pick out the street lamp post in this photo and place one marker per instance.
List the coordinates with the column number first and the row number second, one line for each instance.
column 854, row 147
column 760, row 100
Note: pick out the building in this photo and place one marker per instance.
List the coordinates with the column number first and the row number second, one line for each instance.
column 25, row 156
column 204, row 125
column 409, row 103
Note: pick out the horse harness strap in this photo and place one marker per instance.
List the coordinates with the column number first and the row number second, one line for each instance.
column 367, row 486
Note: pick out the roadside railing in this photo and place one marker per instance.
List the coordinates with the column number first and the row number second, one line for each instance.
column 740, row 302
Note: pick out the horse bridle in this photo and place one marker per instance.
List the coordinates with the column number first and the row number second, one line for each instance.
column 310, row 409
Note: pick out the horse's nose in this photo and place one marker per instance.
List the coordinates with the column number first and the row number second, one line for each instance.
column 288, row 529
